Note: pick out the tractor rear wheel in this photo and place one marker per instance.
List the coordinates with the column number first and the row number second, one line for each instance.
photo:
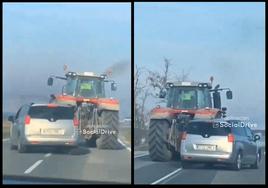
column 158, row 144
column 108, row 140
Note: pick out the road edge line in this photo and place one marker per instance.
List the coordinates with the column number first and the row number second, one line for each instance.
column 167, row 176
column 31, row 168
column 141, row 155
column 128, row 148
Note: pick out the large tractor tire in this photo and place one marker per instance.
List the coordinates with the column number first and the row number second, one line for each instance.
column 158, row 145
column 110, row 121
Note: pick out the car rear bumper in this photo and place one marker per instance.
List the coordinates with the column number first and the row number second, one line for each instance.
column 214, row 158
column 41, row 141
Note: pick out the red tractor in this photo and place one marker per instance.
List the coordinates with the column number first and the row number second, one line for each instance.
column 97, row 115
column 185, row 101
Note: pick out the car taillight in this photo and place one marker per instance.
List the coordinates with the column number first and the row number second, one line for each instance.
column 27, row 120
column 184, row 134
column 231, row 138
column 76, row 122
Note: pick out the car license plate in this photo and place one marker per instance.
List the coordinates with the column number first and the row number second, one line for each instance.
column 52, row 131
column 206, row 147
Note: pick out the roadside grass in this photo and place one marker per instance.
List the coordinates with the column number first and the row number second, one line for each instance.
column 6, row 128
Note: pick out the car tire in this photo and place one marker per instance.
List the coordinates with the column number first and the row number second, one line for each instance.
column 257, row 162
column 238, row 162
column 21, row 147
column 13, row 147
column 209, row 165
column 91, row 142
column 185, row 164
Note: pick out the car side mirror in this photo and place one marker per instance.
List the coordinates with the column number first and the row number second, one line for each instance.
column 257, row 137
column 162, row 94
column 50, row 81
column 11, row 118
column 229, row 94
column 113, row 86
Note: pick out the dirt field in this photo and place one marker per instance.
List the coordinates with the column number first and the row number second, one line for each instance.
column 6, row 128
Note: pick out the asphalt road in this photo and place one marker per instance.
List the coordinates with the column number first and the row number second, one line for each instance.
column 147, row 171
column 82, row 163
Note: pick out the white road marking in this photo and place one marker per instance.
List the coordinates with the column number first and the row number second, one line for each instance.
column 5, row 139
column 167, row 176
column 48, row 155
column 29, row 170
column 128, row 148
column 141, row 155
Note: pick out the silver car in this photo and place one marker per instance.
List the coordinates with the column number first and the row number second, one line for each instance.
column 216, row 141
column 43, row 125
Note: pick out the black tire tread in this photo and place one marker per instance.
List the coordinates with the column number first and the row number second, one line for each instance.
column 158, row 149
column 109, row 141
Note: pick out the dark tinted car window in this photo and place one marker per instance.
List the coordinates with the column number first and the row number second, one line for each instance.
column 249, row 133
column 44, row 112
column 201, row 128
column 239, row 131
column 17, row 114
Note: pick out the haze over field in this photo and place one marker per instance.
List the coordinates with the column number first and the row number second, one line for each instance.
column 40, row 38
column 224, row 40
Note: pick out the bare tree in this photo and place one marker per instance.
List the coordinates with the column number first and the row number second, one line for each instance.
column 146, row 87
column 183, row 76
column 158, row 80
column 141, row 94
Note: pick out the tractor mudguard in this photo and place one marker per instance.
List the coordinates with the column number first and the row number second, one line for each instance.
column 106, row 104
column 101, row 103
column 169, row 113
column 162, row 113
column 207, row 113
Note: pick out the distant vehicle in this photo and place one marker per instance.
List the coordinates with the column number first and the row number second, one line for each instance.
column 208, row 141
column 43, row 125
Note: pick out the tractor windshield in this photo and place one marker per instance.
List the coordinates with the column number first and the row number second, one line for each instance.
column 89, row 87
column 188, row 98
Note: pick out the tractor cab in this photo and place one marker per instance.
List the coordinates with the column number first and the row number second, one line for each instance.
column 192, row 95
column 86, row 85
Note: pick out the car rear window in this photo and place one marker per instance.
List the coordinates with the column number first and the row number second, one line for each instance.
column 44, row 112
column 202, row 128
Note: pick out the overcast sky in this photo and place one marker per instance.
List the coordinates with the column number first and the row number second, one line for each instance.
column 224, row 40
column 40, row 38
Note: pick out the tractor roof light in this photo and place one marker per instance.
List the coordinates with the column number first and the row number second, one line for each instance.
column 168, row 85
column 71, row 74
column 103, row 76
column 204, row 85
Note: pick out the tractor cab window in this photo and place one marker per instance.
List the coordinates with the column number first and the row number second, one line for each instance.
column 188, row 98
column 203, row 98
column 69, row 88
column 90, row 87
